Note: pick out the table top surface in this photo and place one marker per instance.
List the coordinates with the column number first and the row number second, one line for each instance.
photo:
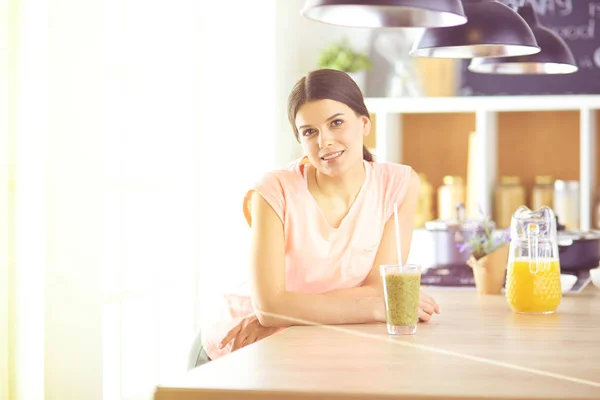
column 477, row 348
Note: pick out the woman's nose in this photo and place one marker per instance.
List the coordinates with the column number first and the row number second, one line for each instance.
column 325, row 138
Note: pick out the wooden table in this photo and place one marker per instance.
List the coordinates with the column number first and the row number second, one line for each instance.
column 476, row 349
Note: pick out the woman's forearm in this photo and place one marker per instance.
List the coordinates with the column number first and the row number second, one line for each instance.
column 345, row 306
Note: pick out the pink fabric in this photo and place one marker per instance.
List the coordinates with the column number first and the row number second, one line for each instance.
column 318, row 257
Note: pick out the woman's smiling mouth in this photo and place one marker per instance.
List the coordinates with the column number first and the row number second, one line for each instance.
column 332, row 156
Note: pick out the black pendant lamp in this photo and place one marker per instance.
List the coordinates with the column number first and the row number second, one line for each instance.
column 386, row 13
column 493, row 29
column 554, row 58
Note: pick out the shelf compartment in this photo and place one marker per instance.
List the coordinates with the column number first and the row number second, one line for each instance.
column 538, row 143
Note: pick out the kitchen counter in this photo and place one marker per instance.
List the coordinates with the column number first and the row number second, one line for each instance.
column 476, row 349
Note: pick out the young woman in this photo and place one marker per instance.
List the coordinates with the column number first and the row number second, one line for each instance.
column 321, row 227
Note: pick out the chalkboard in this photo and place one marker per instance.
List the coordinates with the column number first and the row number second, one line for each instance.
column 578, row 23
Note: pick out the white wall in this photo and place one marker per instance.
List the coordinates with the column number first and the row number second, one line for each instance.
column 299, row 41
column 30, row 135
column 74, row 291
column 4, row 203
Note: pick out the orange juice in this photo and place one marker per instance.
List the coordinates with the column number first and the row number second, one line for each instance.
column 533, row 288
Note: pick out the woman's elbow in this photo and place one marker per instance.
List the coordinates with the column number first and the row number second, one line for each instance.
column 268, row 316
column 269, row 321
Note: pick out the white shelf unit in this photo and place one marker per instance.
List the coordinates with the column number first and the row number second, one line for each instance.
column 389, row 111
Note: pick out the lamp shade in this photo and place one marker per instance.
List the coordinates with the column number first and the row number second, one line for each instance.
column 555, row 56
column 493, row 29
column 386, row 13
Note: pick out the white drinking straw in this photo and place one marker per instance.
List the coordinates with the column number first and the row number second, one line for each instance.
column 398, row 248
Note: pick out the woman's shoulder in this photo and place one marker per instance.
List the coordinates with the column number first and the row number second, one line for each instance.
column 394, row 182
column 275, row 186
column 284, row 175
column 281, row 177
column 281, row 180
column 392, row 174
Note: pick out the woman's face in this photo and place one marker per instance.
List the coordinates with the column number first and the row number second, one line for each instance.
column 331, row 135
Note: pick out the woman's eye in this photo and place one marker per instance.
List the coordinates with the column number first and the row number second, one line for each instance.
column 337, row 122
column 308, row 132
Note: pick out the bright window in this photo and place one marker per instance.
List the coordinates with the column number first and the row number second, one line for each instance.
column 189, row 125
column 139, row 127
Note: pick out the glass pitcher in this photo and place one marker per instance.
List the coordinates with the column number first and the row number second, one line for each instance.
column 533, row 271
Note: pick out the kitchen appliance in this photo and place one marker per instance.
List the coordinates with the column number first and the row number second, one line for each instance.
column 579, row 250
column 447, row 236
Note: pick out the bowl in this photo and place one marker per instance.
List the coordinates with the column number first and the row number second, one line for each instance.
column 567, row 281
column 595, row 274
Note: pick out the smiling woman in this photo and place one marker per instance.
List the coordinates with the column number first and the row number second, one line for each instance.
column 320, row 227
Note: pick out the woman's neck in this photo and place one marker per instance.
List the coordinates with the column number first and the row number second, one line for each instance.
column 345, row 187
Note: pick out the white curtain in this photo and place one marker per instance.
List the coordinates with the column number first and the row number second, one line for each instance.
column 139, row 126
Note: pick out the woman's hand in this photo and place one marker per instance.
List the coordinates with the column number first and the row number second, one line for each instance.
column 246, row 332
column 427, row 307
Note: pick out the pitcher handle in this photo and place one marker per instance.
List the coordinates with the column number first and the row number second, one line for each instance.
column 533, row 231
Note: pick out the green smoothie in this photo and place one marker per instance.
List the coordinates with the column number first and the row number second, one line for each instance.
column 402, row 298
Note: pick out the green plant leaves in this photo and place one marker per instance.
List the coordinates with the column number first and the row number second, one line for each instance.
column 342, row 57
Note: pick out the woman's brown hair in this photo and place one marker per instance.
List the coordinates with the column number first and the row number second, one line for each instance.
column 327, row 84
